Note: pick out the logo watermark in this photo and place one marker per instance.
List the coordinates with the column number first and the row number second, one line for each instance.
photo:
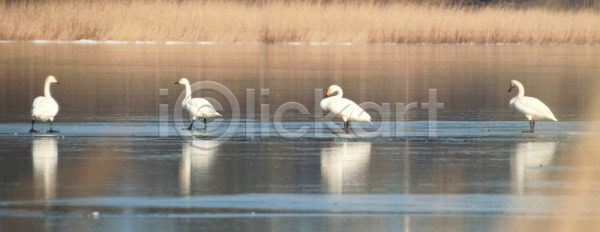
column 323, row 123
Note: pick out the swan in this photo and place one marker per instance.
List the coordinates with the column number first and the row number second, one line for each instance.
column 343, row 108
column 44, row 108
column 197, row 107
column 531, row 107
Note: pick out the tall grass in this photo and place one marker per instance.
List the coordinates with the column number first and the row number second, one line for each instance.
column 280, row 21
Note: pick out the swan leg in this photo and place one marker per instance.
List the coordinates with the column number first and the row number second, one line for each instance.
column 32, row 130
column 531, row 126
column 346, row 126
column 190, row 128
column 51, row 130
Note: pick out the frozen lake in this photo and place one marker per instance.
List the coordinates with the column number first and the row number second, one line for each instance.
column 122, row 161
column 130, row 178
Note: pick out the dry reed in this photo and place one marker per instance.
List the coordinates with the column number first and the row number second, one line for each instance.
column 281, row 22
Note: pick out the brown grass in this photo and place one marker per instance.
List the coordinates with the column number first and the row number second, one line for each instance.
column 281, row 22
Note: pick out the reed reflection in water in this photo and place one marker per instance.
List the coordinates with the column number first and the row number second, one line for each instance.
column 120, row 83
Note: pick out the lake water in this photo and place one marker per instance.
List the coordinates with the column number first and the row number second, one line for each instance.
column 122, row 162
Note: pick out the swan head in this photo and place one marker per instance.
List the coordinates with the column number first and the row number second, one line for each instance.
column 52, row 79
column 513, row 84
column 183, row 81
column 334, row 90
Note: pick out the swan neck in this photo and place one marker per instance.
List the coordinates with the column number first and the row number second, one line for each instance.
column 338, row 95
column 47, row 89
column 520, row 90
column 188, row 91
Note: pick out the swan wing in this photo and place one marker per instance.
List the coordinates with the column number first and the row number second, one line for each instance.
column 348, row 110
column 533, row 107
column 36, row 101
column 325, row 104
column 200, row 107
column 44, row 108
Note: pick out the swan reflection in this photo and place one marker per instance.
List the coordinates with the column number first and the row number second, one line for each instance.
column 196, row 160
column 44, row 154
column 525, row 163
column 344, row 165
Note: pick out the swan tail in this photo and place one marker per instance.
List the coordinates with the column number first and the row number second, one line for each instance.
column 365, row 117
column 550, row 116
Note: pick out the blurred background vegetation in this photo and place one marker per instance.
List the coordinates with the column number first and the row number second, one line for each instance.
column 549, row 4
column 322, row 21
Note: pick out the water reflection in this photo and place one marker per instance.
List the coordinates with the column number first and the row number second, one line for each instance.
column 121, row 81
column 345, row 165
column 195, row 164
column 44, row 154
column 527, row 162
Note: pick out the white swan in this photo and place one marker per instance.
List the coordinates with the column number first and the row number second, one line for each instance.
column 44, row 108
column 531, row 107
column 197, row 107
column 343, row 108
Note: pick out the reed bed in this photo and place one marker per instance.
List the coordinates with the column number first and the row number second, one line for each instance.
column 283, row 22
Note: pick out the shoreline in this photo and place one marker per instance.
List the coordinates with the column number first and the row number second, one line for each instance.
column 114, row 42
